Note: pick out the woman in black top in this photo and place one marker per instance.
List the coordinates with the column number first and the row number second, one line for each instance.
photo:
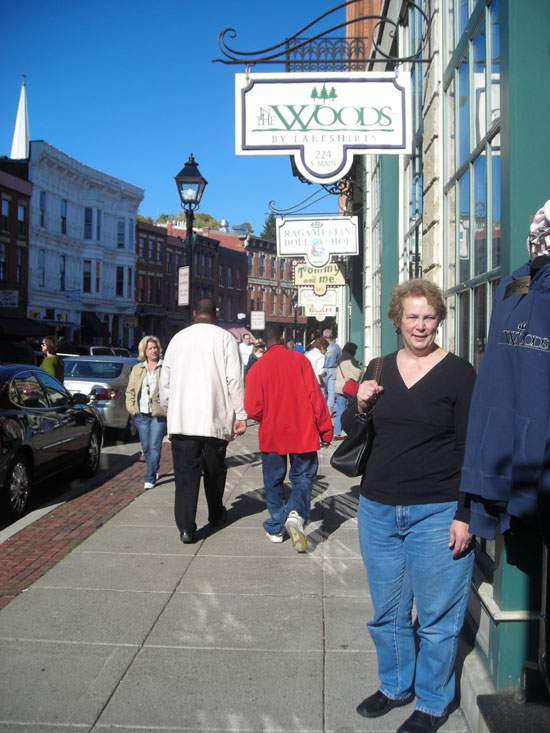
column 413, row 526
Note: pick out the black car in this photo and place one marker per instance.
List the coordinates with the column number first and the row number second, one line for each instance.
column 44, row 430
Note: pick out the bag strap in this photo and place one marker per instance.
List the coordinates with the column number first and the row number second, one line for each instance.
column 378, row 369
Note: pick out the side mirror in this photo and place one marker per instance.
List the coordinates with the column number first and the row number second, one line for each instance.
column 80, row 399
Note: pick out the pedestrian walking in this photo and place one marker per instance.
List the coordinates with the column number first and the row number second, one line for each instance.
column 246, row 348
column 316, row 355
column 332, row 356
column 347, row 368
column 258, row 350
column 202, row 390
column 142, row 401
column 52, row 363
column 282, row 393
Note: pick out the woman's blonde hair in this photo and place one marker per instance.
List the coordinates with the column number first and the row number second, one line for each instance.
column 416, row 289
column 143, row 345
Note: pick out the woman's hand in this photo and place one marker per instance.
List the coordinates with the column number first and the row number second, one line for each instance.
column 459, row 537
column 367, row 393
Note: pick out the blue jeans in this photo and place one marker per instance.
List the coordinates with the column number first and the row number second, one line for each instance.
column 151, row 432
column 406, row 553
column 341, row 401
column 329, row 382
column 303, row 471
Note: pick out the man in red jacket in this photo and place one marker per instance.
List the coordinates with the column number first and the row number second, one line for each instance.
column 282, row 393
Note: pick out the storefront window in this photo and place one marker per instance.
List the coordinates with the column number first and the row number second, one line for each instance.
column 464, row 228
column 480, row 215
column 463, row 110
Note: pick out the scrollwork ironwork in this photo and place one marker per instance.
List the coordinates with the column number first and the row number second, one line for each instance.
column 323, row 51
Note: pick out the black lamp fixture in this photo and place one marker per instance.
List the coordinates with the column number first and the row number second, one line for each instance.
column 191, row 187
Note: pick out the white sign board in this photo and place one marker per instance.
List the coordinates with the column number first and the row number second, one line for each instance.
column 317, row 239
column 319, row 313
column 323, row 119
column 183, row 285
column 307, row 297
column 9, row 298
column 257, row 320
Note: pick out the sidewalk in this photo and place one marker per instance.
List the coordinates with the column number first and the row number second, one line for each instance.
column 123, row 628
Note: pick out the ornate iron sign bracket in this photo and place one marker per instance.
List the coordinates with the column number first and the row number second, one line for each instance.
column 323, row 52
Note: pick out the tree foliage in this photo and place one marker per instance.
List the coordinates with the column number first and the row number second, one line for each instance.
column 206, row 220
column 146, row 219
column 270, row 228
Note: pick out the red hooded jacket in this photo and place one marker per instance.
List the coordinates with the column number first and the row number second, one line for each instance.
column 283, row 395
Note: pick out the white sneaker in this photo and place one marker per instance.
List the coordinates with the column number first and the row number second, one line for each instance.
column 274, row 537
column 148, row 485
column 294, row 525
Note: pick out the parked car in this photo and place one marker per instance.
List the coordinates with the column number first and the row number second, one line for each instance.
column 44, row 430
column 80, row 350
column 104, row 379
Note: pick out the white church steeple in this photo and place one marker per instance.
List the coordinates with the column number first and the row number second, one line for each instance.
column 20, row 142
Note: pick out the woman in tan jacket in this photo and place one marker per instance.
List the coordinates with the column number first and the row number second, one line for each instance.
column 142, row 401
column 347, row 368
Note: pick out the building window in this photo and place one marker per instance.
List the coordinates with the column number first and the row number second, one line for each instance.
column 220, row 306
column 272, row 261
column 21, row 212
column 63, row 216
column 177, row 258
column 472, row 201
column 282, row 269
column 141, row 288
column 88, row 222
column 159, row 251
column 120, row 233
column 203, row 264
column 62, row 272
column 229, row 276
column 129, row 282
column 220, row 275
column 250, row 260
column 19, row 266
column 87, row 276
column 119, row 288
column 98, row 225
column 2, row 262
column 168, row 261
column 262, row 265
column 141, row 247
column 41, row 267
column 159, row 290
column 42, row 207
column 229, row 308
column 238, row 276
column 97, row 277
column 273, row 303
column 5, row 218
column 211, row 267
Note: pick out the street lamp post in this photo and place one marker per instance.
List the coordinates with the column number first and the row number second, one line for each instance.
column 191, row 187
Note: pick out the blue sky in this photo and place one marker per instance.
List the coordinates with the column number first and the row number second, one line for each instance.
column 128, row 87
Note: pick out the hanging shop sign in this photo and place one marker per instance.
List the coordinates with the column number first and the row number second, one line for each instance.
column 307, row 297
column 183, row 285
column 320, row 313
column 319, row 278
column 257, row 320
column 323, row 119
column 317, row 239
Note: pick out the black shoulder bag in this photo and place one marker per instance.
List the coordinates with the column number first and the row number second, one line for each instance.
column 350, row 458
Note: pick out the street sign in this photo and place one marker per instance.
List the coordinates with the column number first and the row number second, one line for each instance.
column 183, row 285
column 257, row 320
column 320, row 278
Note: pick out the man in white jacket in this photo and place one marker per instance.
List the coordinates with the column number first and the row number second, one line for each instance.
column 202, row 390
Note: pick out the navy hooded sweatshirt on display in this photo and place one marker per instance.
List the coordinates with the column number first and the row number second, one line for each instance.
column 506, row 469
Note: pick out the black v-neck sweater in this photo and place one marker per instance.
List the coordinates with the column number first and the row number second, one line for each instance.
column 420, row 431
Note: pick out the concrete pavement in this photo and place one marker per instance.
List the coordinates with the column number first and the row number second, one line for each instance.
column 115, row 625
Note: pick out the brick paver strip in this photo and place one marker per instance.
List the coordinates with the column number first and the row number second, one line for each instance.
column 35, row 549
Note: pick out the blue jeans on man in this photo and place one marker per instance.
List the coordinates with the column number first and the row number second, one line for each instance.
column 329, row 383
column 151, row 431
column 406, row 553
column 303, row 471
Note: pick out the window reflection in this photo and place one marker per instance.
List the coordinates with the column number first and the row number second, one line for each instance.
column 464, row 227
column 463, row 111
column 480, row 214
column 480, row 84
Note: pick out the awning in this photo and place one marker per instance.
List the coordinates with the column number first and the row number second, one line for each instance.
column 92, row 322
column 22, row 327
column 237, row 331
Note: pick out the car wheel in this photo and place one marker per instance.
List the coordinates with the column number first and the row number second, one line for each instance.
column 17, row 486
column 93, row 452
column 130, row 432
